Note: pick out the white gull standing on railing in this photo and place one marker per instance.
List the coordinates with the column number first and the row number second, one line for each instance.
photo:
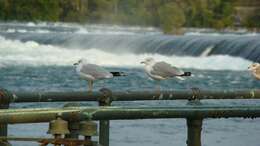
column 92, row 72
column 162, row 70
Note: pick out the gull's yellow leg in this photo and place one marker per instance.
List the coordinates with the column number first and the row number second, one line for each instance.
column 90, row 86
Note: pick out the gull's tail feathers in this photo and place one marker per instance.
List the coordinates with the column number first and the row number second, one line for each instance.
column 186, row 74
column 118, row 74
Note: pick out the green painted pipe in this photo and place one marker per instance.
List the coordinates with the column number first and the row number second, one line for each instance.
column 125, row 113
column 134, row 95
column 194, row 127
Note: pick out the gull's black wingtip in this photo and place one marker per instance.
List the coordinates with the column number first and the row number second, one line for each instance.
column 118, row 74
column 186, row 74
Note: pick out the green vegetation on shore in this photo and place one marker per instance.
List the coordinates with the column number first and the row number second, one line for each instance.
column 169, row 15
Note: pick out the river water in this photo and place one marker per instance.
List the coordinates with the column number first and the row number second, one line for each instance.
column 39, row 57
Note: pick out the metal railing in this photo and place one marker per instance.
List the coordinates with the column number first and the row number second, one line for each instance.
column 81, row 117
column 133, row 95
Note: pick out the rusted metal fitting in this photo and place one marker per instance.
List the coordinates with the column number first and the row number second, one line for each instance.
column 4, row 143
column 5, row 97
column 58, row 126
column 106, row 97
column 195, row 94
column 66, row 142
column 88, row 128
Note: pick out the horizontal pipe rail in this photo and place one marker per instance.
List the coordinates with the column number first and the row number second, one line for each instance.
column 134, row 95
column 12, row 138
column 124, row 113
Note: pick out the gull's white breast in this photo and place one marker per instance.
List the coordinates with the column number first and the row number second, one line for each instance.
column 83, row 75
column 148, row 69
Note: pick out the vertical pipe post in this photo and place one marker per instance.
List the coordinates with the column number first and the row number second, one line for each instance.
column 105, row 100
column 194, row 132
column 5, row 98
column 194, row 125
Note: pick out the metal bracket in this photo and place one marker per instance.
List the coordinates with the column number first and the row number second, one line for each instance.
column 195, row 94
column 46, row 141
column 68, row 142
column 106, row 97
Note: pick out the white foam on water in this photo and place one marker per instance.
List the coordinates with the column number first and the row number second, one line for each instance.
column 82, row 30
column 77, row 28
column 11, row 30
column 238, row 33
column 207, row 51
column 15, row 53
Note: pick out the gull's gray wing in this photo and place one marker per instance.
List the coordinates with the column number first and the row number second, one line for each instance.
column 165, row 70
column 96, row 71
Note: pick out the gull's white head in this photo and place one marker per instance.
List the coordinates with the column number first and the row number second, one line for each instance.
column 148, row 61
column 253, row 66
column 80, row 61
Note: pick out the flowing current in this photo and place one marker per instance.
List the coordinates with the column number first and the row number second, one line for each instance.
column 39, row 57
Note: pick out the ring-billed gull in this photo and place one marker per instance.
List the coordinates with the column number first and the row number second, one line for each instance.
column 92, row 72
column 162, row 70
column 255, row 70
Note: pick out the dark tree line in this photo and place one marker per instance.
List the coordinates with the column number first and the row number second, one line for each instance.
column 170, row 15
